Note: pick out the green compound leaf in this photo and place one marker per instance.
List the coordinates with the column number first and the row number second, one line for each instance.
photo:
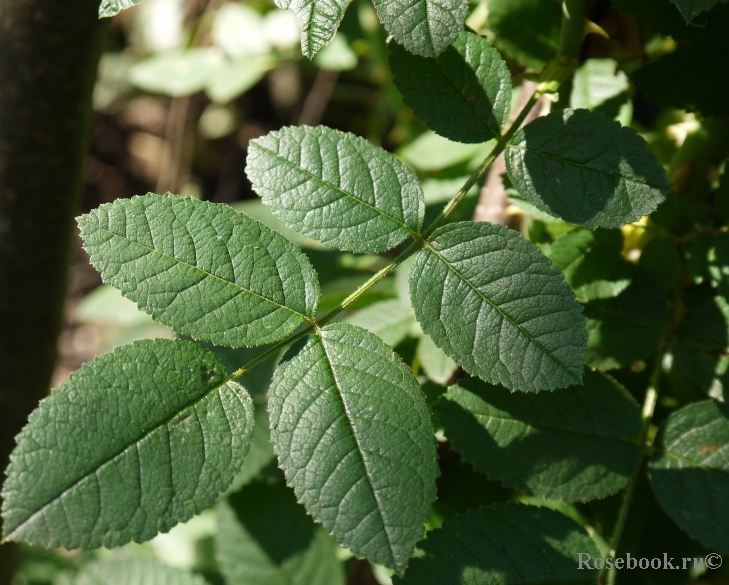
column 463, row 94
column 203, row 269
column 354, row 436
column 336, row 188
column 318, row 20
column 586, row 169
column 491, row 301
column 113, row 7
column 133, row 571
column 504, row 545
column 265, row 538
column 573, row 444
column 689, row 471
column 691, row 8
column 423, row 27
column 136, row 441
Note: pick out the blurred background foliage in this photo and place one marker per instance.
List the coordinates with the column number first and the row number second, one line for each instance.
column 184, row 85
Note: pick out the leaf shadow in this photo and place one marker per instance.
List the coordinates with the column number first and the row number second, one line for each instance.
column 547, row 462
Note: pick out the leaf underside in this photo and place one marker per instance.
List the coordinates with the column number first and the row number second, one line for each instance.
column 463, row 94
column 579, row 166
column 203, row 269
column 136, row 441
column 336, row 187
column 492, row 302
column 573, row 444
column 354, row 437
column 503, row 544
column 689, row 471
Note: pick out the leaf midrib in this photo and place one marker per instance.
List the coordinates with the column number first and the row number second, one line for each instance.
column 360, row 451
column 314, row 178
column 506, row 316
column 585, row 166
column 118, row 454
column 623, row 439
column 195, row 267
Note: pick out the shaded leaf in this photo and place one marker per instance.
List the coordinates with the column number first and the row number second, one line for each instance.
column 586, row 169
column 265, row 538
column 354, row 436
column 574, row 444
column 599, row 85
column 691, row 8
column 423, row 27
column 436, row 365
column 336, row 188
column 113, row 7
column 493, row 303
column 464, row 94
column 718, row 264
column 392, row 320
column 504, row 544
column 134, row 571
column 202, row 268
column 625, row 329
column 526, row 30
column 135, row 442
column 703, row 71
column 689, row 471
column 318, row 20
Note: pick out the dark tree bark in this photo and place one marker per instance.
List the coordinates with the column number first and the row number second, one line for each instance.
column 49, row 52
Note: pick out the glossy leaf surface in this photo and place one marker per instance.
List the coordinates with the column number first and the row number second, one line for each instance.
column 354, row 437
column 491, row 301
column 336, row 188
column 463, row 94
column 586, row 169
column 202, row 268
column 136, row 441
column 689, row 471
column 573, row 444
column 503, row 545
column 423, row 27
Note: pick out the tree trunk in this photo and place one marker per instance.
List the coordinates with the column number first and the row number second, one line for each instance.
column 49, row 53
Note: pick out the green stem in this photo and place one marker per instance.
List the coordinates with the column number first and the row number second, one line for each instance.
column 420, row 241
column 573, row 28
column 649, row 404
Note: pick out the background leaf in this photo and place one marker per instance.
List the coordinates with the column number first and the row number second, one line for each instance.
column 689, row 471
column 391, row 320
column 133, row 571
column 526, row 30
column 135, row 442
column 176, row 73
column 112, row 7
column 574, row 444
column 464, row 94
column 586, row 169
column 600, row 85
column 435, row 364
column 423, row 27
column 353, row 434
column 691, row 8
column 201, row 268
column 265, row 538
column 493, row 303
column 336, row 188
column 503, row 544
column 318, row 20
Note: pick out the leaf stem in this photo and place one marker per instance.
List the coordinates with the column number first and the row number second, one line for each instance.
column 649, row 405
column 573, row 28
